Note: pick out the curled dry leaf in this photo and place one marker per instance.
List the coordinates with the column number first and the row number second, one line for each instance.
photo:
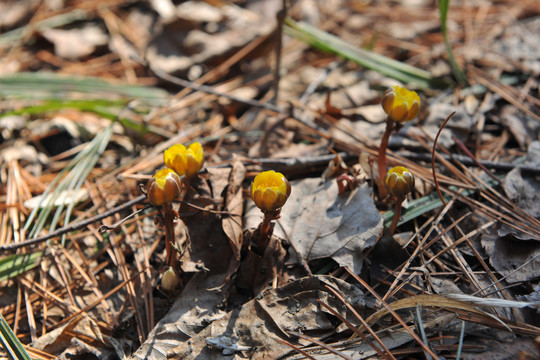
column 234, row 205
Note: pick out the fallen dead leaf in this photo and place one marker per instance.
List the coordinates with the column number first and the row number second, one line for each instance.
column 76, row 43
column 259, row 324
column 80, row 334
column 509, row 255
column 201, row 35
column 524, row 190
column 319, row 223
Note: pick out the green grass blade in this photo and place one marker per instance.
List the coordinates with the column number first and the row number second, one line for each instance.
column 428, row 203
column 69, row 180
column 58, row 92
column 8, row 38
column 10, row 343
column 327, row 42
column 17, row 264
column 108, row 109
column 416, row 208
column 43, row 85
column 458, row 73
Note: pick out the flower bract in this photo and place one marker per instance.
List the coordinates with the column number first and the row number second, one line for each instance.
column 270, row 190
column 399, row 181
column 185, row 161
column 165, row 186
column 400, row 104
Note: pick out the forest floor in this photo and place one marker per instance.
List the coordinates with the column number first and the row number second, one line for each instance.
column 94, row 91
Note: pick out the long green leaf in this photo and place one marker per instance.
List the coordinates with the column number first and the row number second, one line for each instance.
column 17, row 264
column 108, row 109
column 327, row 42
column 44, row 85
column 428, row 203
column 416, row 208
column 458, row 73
column 10, row 343
column 70, row 179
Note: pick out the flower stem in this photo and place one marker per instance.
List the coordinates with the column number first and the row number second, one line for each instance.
column 381, row 159
column 265, row 227
column 168, row 219
column 397, row 214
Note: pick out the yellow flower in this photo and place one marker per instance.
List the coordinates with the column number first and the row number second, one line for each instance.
column 185, row 161
column 399, row 181
column 400, row 104
column 270, row 190
column 165, row 186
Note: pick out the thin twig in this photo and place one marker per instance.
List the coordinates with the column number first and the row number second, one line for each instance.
column 215, row 212
column 387, row 353
column 114, row 226
column 280, row 16
column 295, row 348
column 321, row 344
column 433, row 157
column 72, row 227
column 352, row 328
column 465, row 160
column 462, row 146
column 391, row 311
column 209, row 90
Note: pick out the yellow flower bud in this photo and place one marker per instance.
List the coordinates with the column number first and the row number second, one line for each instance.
column 185, row 161
column 169, row 280
column 399, row 181
column 400, row 104
column 270, row 190
column 165, row 186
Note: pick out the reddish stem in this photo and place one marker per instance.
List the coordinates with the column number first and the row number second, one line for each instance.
column 381, row 159
column 264, row 229
column 168, row 219
column 397, row 214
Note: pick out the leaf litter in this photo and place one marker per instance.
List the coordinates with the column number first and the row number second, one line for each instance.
column 380, row 295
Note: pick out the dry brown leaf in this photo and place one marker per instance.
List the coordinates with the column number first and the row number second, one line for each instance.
column 516, row 260
column 209, row 249
column 520, row 348
column 358, row 350
column 76, row 43
column 197, row 306
column 460, row 125
column 524, row 190
column 200, row 36
column 259, row 324
column 79, row 336
column 234, row 205
column 210, row 254
column 319, row 223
